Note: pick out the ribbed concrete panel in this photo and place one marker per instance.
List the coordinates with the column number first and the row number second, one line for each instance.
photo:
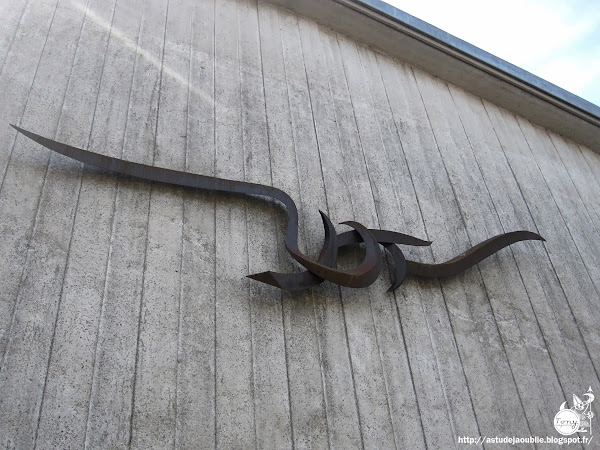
column 126, row 318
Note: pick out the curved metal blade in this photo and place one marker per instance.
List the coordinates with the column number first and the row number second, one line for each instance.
column 471, row 257
column 303, row 280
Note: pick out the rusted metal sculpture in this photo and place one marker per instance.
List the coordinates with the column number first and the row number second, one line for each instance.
column 325, row 267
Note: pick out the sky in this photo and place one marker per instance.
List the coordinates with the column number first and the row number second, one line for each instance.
column 557, row 40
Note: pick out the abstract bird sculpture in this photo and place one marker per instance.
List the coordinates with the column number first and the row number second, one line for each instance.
column 325, row 267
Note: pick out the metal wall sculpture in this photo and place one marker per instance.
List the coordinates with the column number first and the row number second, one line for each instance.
column 325, row 267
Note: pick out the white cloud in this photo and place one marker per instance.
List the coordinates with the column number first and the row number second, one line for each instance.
column 576, row 73
column 554, row 39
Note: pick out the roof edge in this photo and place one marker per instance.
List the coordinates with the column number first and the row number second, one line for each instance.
column 418, row 43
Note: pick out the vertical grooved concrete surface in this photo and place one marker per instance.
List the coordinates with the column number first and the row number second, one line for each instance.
column 126, row 318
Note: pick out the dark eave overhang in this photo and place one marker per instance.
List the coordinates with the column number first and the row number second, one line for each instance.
column 418, row 43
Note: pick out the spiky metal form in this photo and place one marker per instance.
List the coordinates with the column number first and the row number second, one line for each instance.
column 325, row 267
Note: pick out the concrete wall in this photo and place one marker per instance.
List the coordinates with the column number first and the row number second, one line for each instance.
column 400, row 35
column 125, row 315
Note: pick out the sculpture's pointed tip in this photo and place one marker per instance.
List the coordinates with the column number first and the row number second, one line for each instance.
column 535, row 237
column 326, row 221
column 397, row 282
column 24, row 132
column 265, row 277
